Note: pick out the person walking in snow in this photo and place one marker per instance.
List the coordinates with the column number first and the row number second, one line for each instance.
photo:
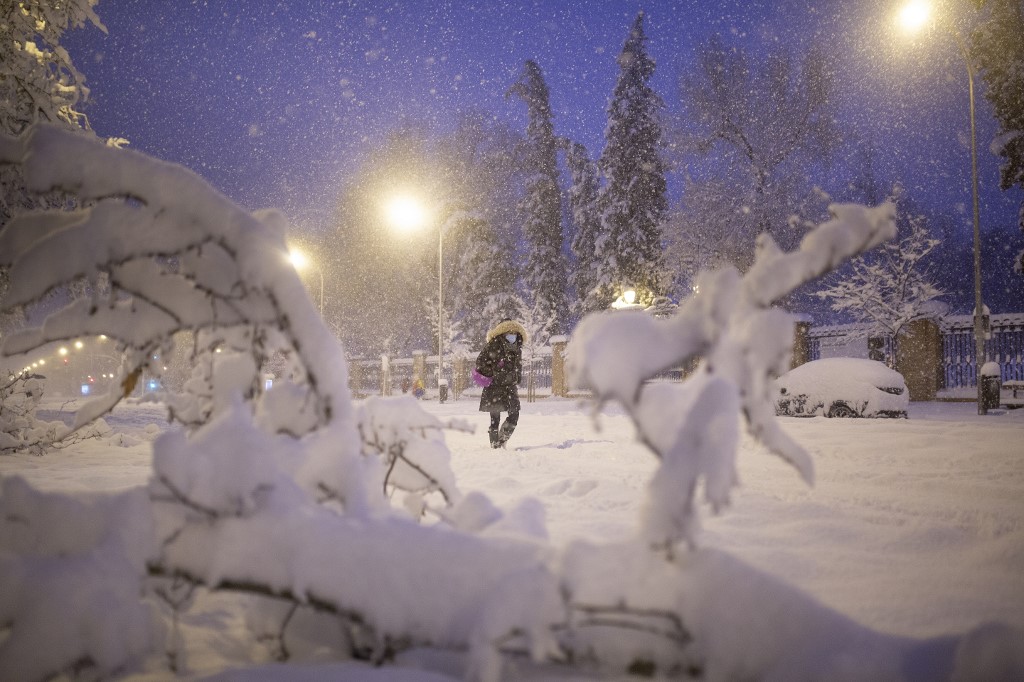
column 501, row 361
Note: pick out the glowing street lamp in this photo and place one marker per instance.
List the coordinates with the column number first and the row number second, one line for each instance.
column 913, row 17
column 626, row 300
column 408, row 213
column 299, row 261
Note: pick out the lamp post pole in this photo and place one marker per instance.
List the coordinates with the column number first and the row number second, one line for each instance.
column 913, row 16
column 979, row 309
column 299, row 261
column 440, row 310
column 321, row 273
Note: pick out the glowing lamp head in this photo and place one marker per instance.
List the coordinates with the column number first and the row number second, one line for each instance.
column 406, row 212
column 297, row 259
column 914, row 15
column 629, row 296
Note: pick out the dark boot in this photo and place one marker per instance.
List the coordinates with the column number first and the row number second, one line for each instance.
column 493, row 431
column 505, row 433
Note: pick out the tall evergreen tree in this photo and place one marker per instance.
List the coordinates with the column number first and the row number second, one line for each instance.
column 483, row 278
column 545, row 268
column 586, row 223
column 999, row 54
column 632, row 201
column 484, row 164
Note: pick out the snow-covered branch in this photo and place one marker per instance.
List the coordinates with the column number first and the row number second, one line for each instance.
column 743, row 344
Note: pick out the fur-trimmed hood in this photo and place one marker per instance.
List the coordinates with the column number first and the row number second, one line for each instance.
column 506, row 327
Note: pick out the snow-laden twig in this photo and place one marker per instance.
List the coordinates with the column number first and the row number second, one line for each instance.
column 742, row 342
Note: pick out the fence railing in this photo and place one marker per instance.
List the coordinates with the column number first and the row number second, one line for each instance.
column 952, row 356
column 1005, row 347
column 394, row 376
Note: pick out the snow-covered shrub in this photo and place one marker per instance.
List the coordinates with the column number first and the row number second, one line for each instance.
column 19, row 427
column 283, row 493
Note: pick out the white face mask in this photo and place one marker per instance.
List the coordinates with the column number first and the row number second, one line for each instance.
column 511, row 338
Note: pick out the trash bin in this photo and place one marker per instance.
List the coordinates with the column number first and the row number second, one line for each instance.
column 442, row 390
column 990, row 385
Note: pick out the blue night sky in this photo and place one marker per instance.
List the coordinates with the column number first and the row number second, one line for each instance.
column 276, row 103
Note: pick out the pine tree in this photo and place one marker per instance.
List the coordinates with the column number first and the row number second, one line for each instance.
column 586, row 224
column 484, row 279
column 632, row 201
column 999, row 54
column 485, row 170
column 545, row 268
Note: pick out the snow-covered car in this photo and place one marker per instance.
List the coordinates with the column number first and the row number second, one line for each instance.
column 841, row 387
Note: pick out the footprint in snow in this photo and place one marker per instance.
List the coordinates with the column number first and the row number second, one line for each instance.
column 558, row 488
column 560, row 446
column 581, row 488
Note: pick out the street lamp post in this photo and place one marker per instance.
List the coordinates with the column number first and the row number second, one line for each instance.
column 408, row 213
column 440, row 313
column 914, row 16
column 299, row 262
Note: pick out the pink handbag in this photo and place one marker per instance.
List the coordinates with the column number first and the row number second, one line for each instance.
column 480, row 380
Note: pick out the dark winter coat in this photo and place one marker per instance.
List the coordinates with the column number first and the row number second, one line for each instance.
column 503, row 363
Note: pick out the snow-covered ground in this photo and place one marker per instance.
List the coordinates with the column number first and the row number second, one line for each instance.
column 914, row 527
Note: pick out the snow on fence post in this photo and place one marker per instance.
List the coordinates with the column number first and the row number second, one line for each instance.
column 355, row 378
column 919, row 359
column 385, row 375
column 559, row 382
column 419, row 366
column 801, row 342
column 461, row 375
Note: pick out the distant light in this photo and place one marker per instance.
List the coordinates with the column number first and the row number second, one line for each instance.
column 103, row 337
column 79, row 345
column 85, row 389
column 42, row 362
column 626, row 300
column 35, row 364
column 914, row 15
column 152, row 385
column 406, row 212
column 268, row 384
column 297, row 259
column 63, row 350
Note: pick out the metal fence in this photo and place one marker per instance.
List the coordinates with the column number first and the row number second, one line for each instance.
column 1005, row 346
column 394, row 376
